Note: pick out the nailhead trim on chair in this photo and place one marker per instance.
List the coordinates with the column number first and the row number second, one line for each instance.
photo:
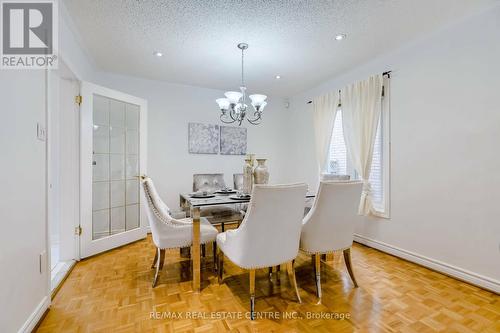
column 256, row 267
column 161, row 217
column 326, row 252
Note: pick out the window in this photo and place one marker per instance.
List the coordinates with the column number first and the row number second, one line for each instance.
column 339, row 162
column 376, row 171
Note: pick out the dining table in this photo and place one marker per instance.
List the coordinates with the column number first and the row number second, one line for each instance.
column 193, row 205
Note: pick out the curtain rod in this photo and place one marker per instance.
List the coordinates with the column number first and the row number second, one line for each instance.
column 388, row 74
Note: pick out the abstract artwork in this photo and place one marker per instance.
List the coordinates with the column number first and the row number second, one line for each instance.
column 203, row 138
column 233, row 140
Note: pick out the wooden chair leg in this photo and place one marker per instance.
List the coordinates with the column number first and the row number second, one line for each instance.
column 348, row 264
column 317, row 273
column 220, row 265
column 160, row 255
column 252, row 294
column 291, row 276
column 214, row 254
column 271, row 269
column 154, row 260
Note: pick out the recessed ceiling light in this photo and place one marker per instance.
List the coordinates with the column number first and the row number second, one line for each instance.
column 277, row 77
column 157, row 53
column 340, row 36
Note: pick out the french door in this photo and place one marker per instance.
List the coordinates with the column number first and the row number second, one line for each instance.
column 113, row 156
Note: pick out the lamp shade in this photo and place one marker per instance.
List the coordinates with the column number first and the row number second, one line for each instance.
column 257, row 99
column 223, row 103
column 233, row 96
column 261, row 107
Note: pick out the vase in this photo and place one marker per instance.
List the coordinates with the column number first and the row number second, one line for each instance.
column 261, row 173
column 247, row 177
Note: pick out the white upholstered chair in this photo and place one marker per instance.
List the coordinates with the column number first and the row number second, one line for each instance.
column 268, row 235
column 327, row 177
column 168, row 232
column 329, row 226
column 238, row 181
column 220, row 214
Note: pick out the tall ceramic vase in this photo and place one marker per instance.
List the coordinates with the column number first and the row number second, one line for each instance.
column 247, row 176
column 261, row 173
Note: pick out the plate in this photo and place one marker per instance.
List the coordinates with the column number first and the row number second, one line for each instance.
column 201, row 196
column 234, row 197
column 226, row 192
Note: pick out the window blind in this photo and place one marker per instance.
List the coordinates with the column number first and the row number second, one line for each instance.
column 376, row 171
column 338, row 152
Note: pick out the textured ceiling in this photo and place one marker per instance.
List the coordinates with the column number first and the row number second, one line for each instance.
column 294, row 39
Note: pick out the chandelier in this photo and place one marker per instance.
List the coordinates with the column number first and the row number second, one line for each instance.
column 234, row 108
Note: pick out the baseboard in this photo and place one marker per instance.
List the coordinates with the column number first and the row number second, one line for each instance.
column 436, row 265
column 61, row 277
column 36, row 316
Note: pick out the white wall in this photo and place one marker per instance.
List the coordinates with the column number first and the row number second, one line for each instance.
column 71, row 48
column 445, row 132
column 22, row 197
column 171, row 107
column 24, row 291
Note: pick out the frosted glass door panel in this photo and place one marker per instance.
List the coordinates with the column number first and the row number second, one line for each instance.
column 115, row 186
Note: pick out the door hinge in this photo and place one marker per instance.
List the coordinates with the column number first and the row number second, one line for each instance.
column 78, row 99
column 78, row 231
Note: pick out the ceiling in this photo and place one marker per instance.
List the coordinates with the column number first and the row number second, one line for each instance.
column 293, row 39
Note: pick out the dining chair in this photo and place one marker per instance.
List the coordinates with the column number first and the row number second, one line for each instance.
column 326, row 177
column 329, row 226
column 334, row 177
column 168, row 232
column 238, row 181
column 217, row 215
column 238, row 186
column 273, row 210
column 209, row 182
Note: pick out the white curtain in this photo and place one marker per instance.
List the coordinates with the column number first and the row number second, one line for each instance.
column 361, row 108
column 325, row 110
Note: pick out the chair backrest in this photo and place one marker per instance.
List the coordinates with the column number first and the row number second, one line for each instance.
column 333, row 177
column 329, row 226
column 209, row 182
column 270, row 232
column 157, row 212
column 238, row 181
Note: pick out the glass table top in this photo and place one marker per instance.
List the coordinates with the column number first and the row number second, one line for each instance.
column 221, row 199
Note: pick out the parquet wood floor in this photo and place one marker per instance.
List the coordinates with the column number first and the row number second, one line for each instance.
column 112, row 292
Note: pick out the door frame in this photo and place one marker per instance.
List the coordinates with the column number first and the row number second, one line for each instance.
column 89, row 247
column 53, row 188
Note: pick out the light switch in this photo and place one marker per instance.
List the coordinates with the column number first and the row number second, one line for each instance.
column 41, row 132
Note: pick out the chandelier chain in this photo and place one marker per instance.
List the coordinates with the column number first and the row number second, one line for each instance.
column 242, row 67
